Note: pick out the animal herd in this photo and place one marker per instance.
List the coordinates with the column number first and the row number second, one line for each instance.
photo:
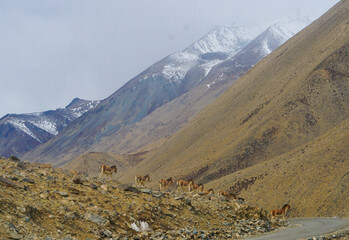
column 186, row 184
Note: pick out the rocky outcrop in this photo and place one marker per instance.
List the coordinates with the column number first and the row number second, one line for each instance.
column 52, row 205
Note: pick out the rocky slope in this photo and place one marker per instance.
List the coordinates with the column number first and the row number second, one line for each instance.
column 41, row 202
column 20, row 133
column 296, row 94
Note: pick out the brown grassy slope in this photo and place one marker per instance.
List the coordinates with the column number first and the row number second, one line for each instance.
column 294, row 95
column 163, row 122
column 313, row 178
column 89, row 163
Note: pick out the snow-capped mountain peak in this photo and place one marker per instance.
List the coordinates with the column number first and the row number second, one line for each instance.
column 226, row 39
column 289, row 27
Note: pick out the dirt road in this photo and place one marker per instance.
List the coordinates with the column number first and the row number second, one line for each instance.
column 307, row 227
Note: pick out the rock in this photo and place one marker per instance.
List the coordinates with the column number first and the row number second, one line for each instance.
column 147, row 191
column 96, row 219
column 132, row 189
column 15, row 236
column 93, row 186
column 179, row 198
column 7, row 183
column 106, row 234
column 14, row 158
column 77, row 180
column 28, row 180
column 71, row 216
column 104, row 187
column 63, row 194
column 21, row 165
column 187, row 201
column 14, row 178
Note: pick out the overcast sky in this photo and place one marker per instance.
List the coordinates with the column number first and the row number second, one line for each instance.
column 53, row 51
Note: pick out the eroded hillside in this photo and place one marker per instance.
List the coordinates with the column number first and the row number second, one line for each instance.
column 41, row 202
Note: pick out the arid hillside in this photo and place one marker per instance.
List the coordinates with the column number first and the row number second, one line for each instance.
column 41, row 202
column 89, row 163
column 295, row 95
column 313, row 178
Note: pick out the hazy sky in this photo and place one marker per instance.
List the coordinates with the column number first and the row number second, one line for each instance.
column 53, row 51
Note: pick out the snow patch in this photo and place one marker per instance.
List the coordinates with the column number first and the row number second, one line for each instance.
column 209, row 85
column 20, row 125
column 209, row 65
column 77, row 112
column 46, row 125
column 228, row 39
column 265, row 47
column 180, row 64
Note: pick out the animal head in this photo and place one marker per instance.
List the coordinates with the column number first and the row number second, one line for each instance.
column 113, row 168
column 147, row 178
column 170, row 181
column 286, row 206
column 210, row 191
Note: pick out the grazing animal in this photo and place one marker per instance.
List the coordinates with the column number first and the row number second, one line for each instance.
column 197, row 187
column 107, row 170
column 227, row 195
column 209, row 192
column 165, row 183
column 280, row 212
column 140, row 181
column 183, row 184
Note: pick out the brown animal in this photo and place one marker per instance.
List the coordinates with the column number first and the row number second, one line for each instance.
column 280, row 212
column 164, row 184
column 196, row 187
column 183, row 184
column 227, row 195
column 140, row 181
column 209, row 192
column 107, row 170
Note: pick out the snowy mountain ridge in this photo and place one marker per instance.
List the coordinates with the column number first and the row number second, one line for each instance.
column 39, row 127
column 226, row 39
column 47, row 121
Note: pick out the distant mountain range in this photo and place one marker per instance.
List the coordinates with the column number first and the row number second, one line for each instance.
column 20, row 133
column 203, row 65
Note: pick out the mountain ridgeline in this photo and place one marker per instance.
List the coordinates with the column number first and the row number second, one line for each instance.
column 179, row 85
